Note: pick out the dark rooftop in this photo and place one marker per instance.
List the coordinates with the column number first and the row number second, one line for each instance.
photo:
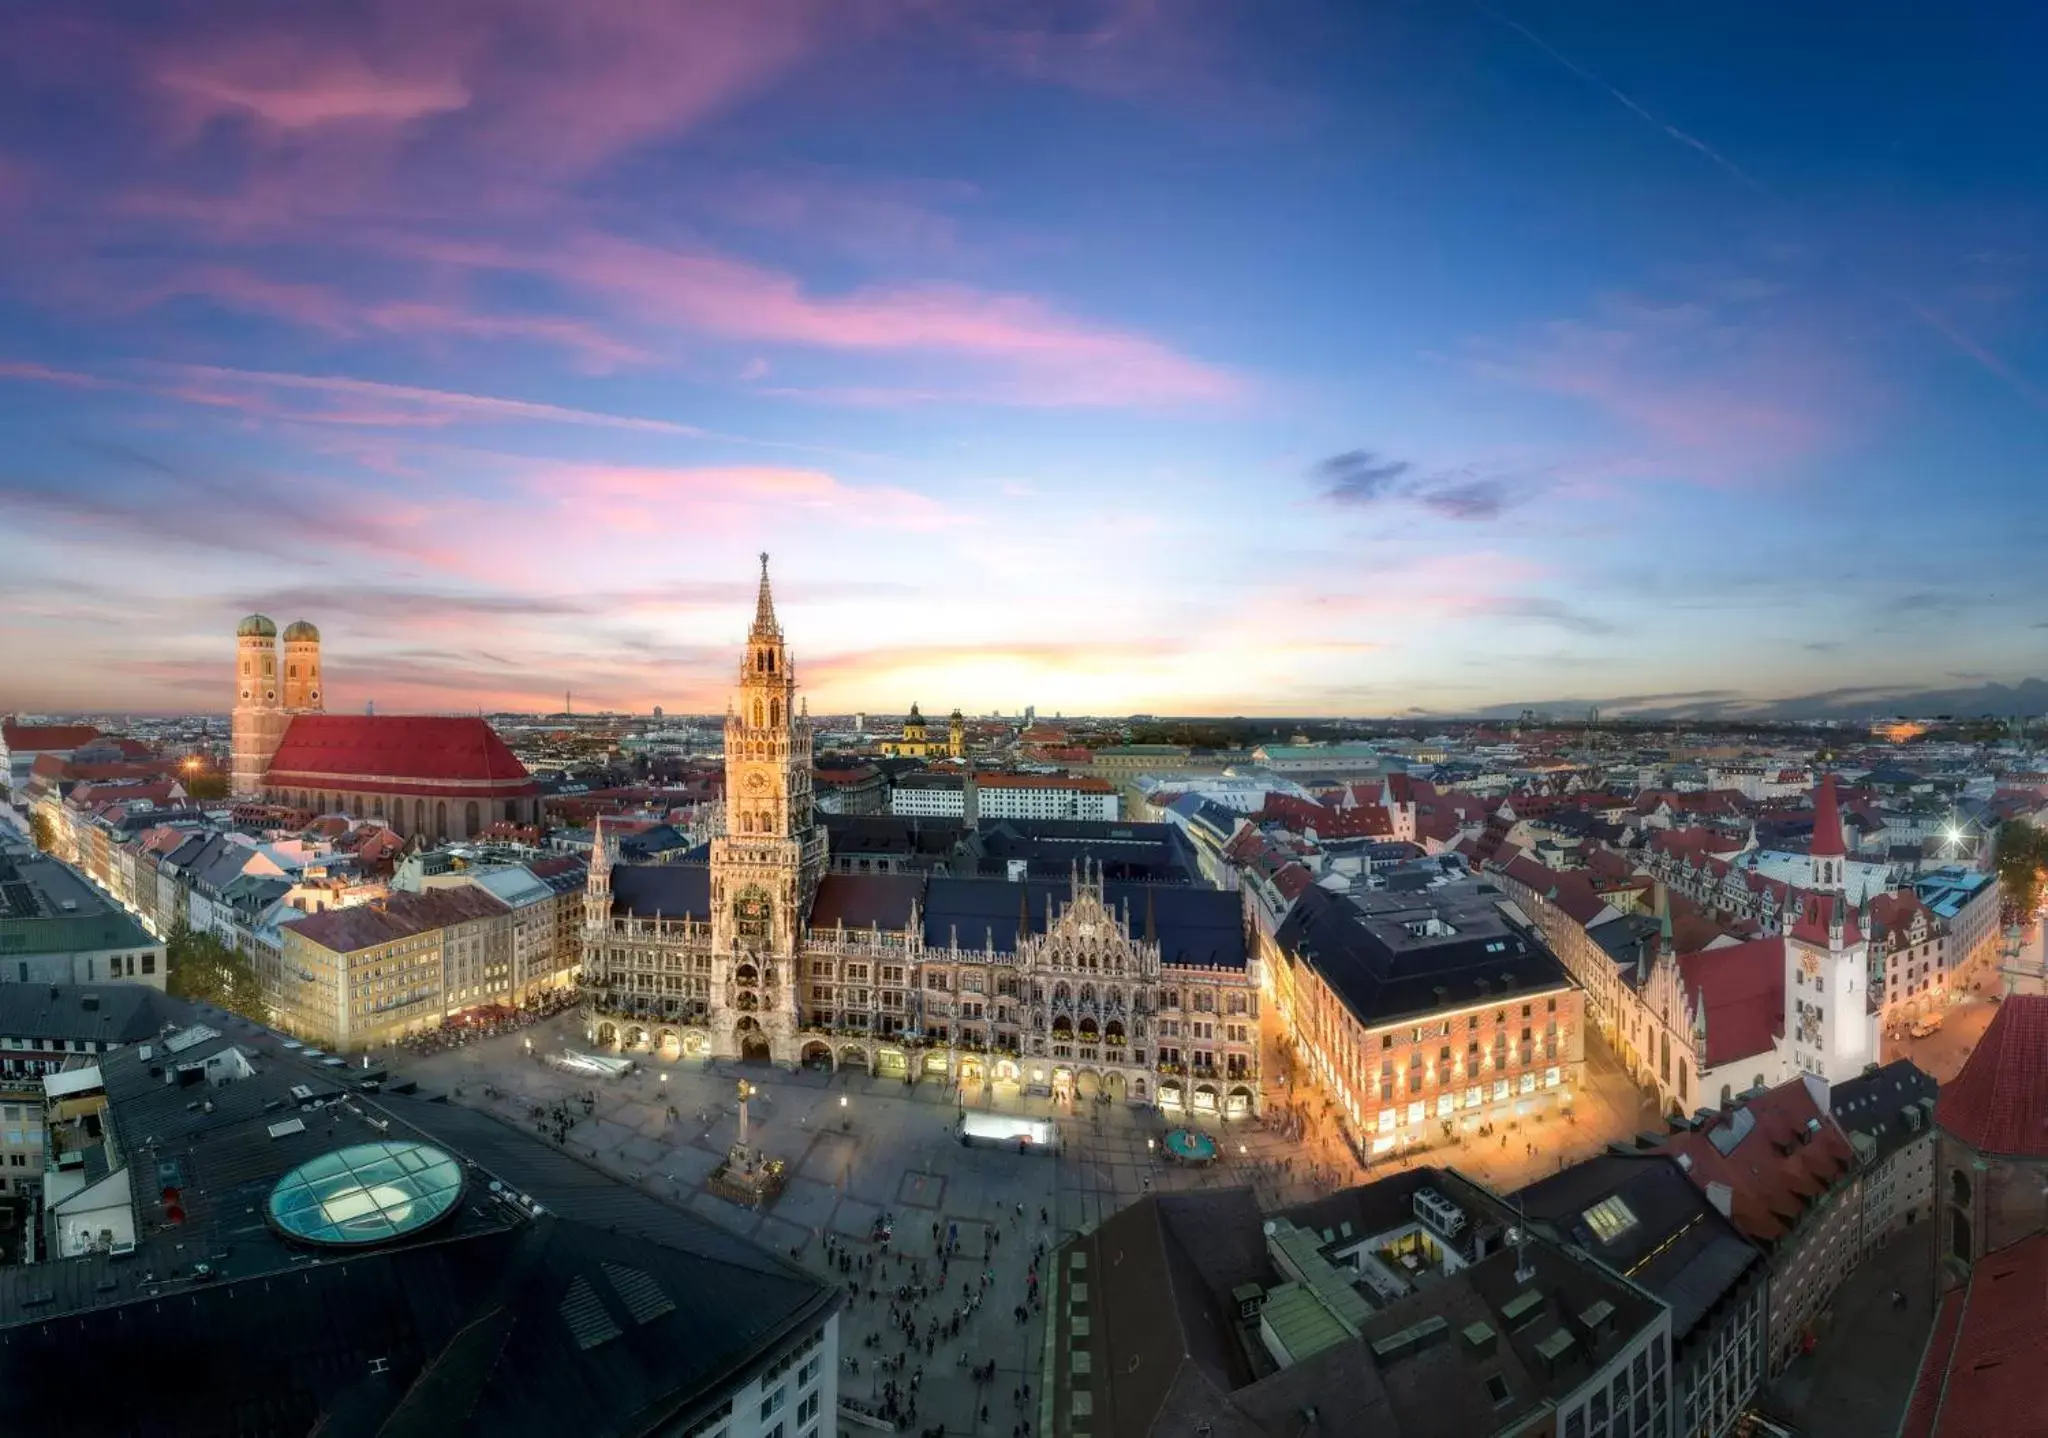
column 1885, row 1109
column 1656, row 1226
column 1390, row 955
column 675, row 891
column 98, row 1013
column 1167, row 1352
column 1194, row 927
column 590, row 1308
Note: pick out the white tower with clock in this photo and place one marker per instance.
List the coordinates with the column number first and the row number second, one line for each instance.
column 765, row 868
column 1831, row 1023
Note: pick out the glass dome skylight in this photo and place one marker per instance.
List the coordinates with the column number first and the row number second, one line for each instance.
column 366, row 1193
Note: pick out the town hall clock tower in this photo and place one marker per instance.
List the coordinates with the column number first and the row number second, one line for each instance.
column 765, row 868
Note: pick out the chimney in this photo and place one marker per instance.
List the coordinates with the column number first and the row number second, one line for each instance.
column 1722, row 1197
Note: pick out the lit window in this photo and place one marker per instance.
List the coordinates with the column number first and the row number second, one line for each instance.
column 1610, row 1218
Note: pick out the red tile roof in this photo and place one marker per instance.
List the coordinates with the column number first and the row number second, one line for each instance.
column 1293, row 880
column 125, row 791
column 1892, row 915
column 1692, row 932
column 1367, row 821
column 1999, row 1102
column 1927, row 1388
column 1816, row 911
column 1827, row 823
column 1981, row 1377
column 1778, row 1168
column 332, row 749
column 47, row 736
column 1742, row 989
column 56, row 766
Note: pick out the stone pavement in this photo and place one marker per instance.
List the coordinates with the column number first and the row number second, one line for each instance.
column 859, row 1148
column 1860, row 1374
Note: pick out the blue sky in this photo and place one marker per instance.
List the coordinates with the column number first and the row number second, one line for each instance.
column 1103, row 357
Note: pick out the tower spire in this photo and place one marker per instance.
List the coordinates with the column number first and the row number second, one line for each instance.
column 764, row 608
column 1828, row 847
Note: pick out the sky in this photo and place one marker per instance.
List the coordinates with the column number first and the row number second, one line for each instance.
column 1132, row 356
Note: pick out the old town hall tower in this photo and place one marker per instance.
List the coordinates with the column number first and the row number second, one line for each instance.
column 766, row 867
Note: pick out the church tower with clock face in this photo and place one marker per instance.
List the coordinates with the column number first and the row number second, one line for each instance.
column 766, row 867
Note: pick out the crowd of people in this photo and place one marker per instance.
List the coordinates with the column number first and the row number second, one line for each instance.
column 491, row 1020
column 928, row 1314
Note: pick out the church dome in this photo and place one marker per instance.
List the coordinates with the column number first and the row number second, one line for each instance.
column 256, row 626
column 300, row 629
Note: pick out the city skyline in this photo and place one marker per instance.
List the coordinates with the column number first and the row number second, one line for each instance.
column 1372, row 361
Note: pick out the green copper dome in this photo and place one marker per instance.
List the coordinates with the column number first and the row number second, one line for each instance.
column 300, row 629
column 256, row 626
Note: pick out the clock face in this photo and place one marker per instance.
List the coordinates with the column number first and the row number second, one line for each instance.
column 757, row 783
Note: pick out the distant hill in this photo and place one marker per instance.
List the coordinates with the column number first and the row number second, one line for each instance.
column 2028, row 697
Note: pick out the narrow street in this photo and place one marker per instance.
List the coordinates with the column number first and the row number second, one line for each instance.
column 1944, row 1052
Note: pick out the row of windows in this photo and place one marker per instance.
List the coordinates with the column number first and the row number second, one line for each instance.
column 1442, row 1028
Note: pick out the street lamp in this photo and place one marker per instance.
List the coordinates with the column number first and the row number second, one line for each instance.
column 842, row 1100
column 664, row 1076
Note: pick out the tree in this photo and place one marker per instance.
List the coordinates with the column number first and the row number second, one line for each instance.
column 2022, row 857
column 201, row 968
column 42, row 830
column 206, row 786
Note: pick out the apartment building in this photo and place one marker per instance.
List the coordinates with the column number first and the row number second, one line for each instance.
column 376, row 973
column 1426, row 1013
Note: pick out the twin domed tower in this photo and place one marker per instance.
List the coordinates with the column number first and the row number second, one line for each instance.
column 267, row 694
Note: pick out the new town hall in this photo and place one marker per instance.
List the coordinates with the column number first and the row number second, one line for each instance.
column 1080, row 988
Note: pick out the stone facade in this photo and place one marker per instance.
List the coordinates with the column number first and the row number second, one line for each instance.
column 1085, row 994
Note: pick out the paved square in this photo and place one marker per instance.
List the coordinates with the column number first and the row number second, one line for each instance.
column 897, row 1153
column 854, row 1219
column 918, row 1190
column 806, row 1203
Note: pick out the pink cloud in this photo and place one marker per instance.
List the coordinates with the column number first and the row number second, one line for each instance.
column 1721, row 389
column 727, row 500
column 515, row 85
column 401, row 404
column 314, row 306
column 1050, row 358
column 293, row 86
column 44, row 374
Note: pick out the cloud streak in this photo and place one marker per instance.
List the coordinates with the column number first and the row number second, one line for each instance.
column 1363, row 478
column 354, row 402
